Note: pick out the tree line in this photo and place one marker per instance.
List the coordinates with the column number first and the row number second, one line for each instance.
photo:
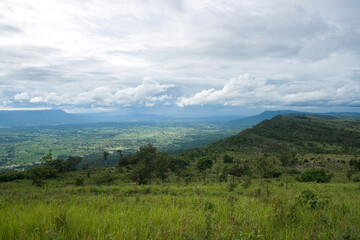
column 147, row 164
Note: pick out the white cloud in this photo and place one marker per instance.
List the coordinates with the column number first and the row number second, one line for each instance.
column 100, row 95
column 148, row 93
column 24, row 96
column 87, row 110
column 36, row 100
column 251, row 91
column 235, row 92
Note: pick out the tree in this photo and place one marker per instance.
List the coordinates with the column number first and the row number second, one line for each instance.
column 58, row 164
column 146, row 156
column 177, row 164
column 355, row 163
column 71, row 163
column 120, row 163
column 203, row 164
column 224, row 174
column 286, row 159
column 48, row 157
column 239, row 170
column 217, row 168
column 148, row 162
column 9, row 176
column 161, row 166
column 318, row 175
column 106, row 155
column 140, row 173
column 262, row 166
column 228, row 159
column 39, row 174
column 349, row 174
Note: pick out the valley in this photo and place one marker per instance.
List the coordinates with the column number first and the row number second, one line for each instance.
column 27, row 145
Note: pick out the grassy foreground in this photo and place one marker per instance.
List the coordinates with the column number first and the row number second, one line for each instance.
column 179, row 211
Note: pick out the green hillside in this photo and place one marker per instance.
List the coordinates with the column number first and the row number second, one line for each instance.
column 310, row 134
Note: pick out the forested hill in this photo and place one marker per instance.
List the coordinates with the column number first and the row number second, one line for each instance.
column 311, row 134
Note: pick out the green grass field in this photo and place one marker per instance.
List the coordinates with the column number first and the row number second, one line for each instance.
column 178, row 211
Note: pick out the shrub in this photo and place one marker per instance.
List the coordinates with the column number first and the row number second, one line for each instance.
column 38, row 182
column 315, row 175
column 247, row 182
column 273, row 173
column 224, row 175
column 11, row 176
column 228, row 159
column 356, row 179
column 231, row 186
column 355, row 163
column 294, row 171
column 105, row 178
column 79, row 181
column 208, row 205
column 309, row 198
column 38, row 174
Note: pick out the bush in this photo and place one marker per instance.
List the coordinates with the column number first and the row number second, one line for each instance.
column 11, row 176
column 38, row 174
column 105, row 178
column 228, row 159
column 356, row 179
column 273, row 173
column 294, row 171
column 231, row 186
column 79, row 181
column 315, row 175
column 247, row 182
column 38, row 182
column 309, row 198
column 223, row 177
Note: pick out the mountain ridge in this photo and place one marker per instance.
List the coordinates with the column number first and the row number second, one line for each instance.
column 301, row 132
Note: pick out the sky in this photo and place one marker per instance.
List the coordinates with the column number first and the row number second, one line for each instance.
column 168, row 56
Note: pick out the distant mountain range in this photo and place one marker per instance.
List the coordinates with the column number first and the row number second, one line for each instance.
column 59, row 117
column 37, row 118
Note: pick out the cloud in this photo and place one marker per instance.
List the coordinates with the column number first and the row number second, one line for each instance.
column 36, row 100
column 8, row 29
column 251, row 91
column 148, row 93
column 238, row 91
column 79, row 53
column 24, row 96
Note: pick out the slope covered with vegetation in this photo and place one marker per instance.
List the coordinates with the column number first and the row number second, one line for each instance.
column 306, row 134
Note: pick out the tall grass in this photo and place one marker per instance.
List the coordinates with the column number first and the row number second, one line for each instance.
column 171, row 211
